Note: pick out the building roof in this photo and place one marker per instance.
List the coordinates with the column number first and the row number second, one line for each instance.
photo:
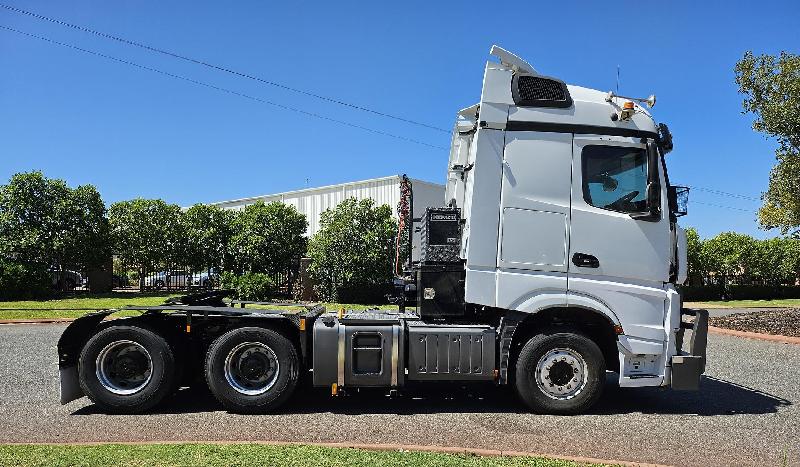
column 314, row 190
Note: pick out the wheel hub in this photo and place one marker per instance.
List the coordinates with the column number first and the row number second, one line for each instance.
column 124, row 367
column 251, row 368
column 561, row 373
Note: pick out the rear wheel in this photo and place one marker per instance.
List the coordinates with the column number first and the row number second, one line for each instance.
column 560, row 372
column 252, row 370
column 127, row 369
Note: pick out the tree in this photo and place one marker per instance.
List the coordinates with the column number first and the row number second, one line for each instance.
column 208, row 231
column 44, row 225
column 85, row 240
column 267, row 237
column 147, row 233
column 771, row 86
column 732, row 254
column 43, row 221
column 696, row 267
column 353, row 252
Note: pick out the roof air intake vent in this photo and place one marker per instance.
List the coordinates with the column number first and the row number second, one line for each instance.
column 539, row 91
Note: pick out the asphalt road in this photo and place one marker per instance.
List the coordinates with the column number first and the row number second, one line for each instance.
column 747, row 412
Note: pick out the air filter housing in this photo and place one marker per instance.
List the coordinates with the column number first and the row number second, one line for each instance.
column 440, row 232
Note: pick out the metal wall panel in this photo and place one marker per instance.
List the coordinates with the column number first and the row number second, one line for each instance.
column 314, row 201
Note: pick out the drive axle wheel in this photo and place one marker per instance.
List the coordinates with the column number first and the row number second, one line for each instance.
column 252, row 370
column 127, row 369
column 560, row 373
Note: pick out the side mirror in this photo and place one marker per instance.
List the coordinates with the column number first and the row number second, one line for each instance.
column 653, row 213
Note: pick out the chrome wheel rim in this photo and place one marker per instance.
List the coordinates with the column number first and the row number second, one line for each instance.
column 251, row 368
column 561, row 374
column 124, row 367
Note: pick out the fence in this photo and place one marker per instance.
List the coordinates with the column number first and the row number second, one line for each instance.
column 179, row 278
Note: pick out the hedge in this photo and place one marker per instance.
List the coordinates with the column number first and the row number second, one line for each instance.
column 739, row 292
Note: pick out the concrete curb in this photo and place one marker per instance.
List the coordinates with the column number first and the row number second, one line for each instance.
column 755, row 335
column 371, row 447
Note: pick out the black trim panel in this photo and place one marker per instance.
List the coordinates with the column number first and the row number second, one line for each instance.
column 580, row 129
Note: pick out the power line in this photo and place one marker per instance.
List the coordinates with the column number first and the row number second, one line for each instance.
column 225, row 90
column 219, row 67
column 725, row 193
column 723, row 206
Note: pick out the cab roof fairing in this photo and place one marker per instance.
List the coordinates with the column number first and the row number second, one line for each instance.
column 590, row 106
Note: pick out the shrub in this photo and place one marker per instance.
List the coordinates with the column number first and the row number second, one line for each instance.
column 23, row 281
column 254, row 286
column 353, row 252
column 704, row 293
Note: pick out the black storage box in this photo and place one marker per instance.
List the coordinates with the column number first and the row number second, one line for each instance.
column 440, row 290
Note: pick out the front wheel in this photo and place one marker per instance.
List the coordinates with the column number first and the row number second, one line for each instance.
column 252, row 370
column 560, row 372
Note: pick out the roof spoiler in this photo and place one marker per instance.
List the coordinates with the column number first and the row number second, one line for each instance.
column 512, row 61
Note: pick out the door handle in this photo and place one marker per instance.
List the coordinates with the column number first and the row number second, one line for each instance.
column 582, row 260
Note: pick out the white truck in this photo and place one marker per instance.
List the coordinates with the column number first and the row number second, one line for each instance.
column 553, row 261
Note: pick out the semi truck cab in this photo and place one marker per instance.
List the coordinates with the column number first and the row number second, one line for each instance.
column 567, row 204
column 553, row 259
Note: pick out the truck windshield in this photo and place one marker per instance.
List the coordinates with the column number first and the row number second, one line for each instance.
column 615, row 178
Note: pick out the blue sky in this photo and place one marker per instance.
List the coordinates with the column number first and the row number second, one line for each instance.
column 134, row 133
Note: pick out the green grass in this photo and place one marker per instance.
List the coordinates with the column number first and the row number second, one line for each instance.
column 785, row 303
column 79, row 305
column 76, row 306
column 244, row 455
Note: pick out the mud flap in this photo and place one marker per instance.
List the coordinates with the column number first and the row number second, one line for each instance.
column 70, row 388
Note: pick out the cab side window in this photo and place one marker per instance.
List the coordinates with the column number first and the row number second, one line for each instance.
column 615, row 178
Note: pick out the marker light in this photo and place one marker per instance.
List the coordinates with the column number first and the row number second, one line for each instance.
column 628, row 105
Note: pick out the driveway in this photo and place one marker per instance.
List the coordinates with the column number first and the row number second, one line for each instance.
column 747, row 412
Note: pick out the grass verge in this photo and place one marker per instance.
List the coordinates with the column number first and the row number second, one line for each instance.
column 244, row 455
column 784, row 303
column 76, row 306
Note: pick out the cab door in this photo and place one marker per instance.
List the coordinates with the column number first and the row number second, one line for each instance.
column 534, row 220
column 617, row 255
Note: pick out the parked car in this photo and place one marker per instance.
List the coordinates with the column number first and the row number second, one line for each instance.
column 66, row 279
column 169, row 279
column 206, row 279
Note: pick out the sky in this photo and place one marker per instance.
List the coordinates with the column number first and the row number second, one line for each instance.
column 137, row 133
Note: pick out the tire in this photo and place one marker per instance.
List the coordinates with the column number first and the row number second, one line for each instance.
column 560, row 372
column 252, row 370
column 128, row 388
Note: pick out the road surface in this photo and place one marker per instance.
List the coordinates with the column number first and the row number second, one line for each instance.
column 746, row 413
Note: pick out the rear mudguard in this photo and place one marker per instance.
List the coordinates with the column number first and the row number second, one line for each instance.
column 69, row 347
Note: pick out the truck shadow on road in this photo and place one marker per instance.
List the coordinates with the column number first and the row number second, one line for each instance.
column 715, row 397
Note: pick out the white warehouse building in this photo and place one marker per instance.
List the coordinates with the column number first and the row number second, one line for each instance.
column 314, row 201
